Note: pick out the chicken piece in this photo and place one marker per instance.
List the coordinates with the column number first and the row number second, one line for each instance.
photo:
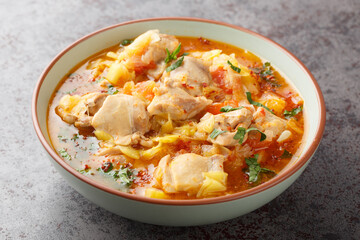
column 156, row 50
column 121, row 116
column 268, row 123
column 79, row 110
column 177, row 103
column 148, row 49
column 191, row 76
column 184, row 172
column 228, row 122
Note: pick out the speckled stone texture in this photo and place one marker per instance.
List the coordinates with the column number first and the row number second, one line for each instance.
column 324, row 203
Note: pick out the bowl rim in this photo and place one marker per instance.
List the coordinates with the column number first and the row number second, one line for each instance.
column 305, row 156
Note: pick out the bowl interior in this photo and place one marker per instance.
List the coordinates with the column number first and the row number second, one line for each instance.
column 294, row 72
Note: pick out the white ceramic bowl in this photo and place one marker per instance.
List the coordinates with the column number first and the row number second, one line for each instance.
column 183, row 212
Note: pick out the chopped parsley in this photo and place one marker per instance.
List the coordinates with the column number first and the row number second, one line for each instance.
column 248, row 96
column 175, row 65
column 173, row 55
column 255, row 168
column 286, row 154
column 75, row 137
column 125, row 175
column 215, row 133
column 236, row 69
column 62, row 138
column 112, row 90
column 292, row 113
column 84, row 171
column 64, row 154
column 266, row 74
column 229, row 108
column 126, row 42
column 240, row 134
column 107, row 167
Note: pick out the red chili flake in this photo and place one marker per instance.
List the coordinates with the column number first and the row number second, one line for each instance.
column 204, row 41
column 228, row 91
column 128, row 165
column 106, row 167
column 86, row 167
column 183, row 145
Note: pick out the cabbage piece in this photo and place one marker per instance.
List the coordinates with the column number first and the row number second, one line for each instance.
column 214, row 183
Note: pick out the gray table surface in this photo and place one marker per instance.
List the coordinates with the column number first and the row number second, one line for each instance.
column 324, row 203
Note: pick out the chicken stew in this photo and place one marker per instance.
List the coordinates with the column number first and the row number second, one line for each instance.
column 176, row 118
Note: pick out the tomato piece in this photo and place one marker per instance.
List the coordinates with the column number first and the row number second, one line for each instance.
column 146, row 89
column 218, row 77
column 215, row 108
column 140, row 67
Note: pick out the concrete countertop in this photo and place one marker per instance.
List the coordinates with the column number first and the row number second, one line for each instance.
column 324, row 203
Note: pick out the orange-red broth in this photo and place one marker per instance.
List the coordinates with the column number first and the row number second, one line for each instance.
column 82, row 145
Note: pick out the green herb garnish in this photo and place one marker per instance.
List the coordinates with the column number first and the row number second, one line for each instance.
column 175, row 65
column 62, row 138
column 64, row 154
column 75, row 137
column 286, row 154
column 126, row 42
column 107, row 167
column 125, row 175
column 215, row 133
column 240, row 134
column 248, row 96
column 290, row 114
column 255, row 168
column 236, row 69
column 112, row 90
column 173, row 55
column 84, row 171
column 229, row 108
column 266, row 74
